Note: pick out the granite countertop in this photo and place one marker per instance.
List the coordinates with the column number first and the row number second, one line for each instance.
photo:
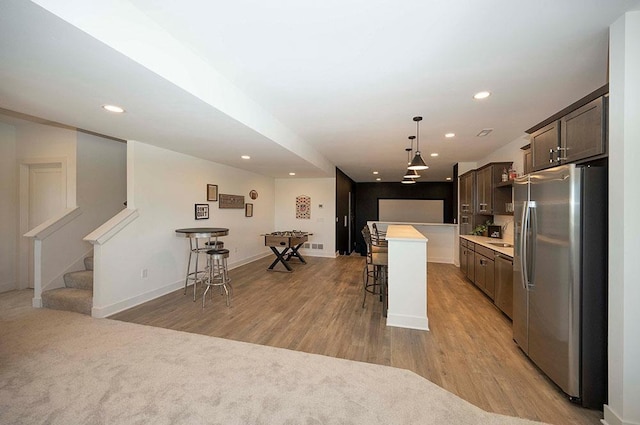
column 486, row 242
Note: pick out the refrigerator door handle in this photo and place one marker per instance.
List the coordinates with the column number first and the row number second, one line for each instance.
column 523, row 244
column 533, row 218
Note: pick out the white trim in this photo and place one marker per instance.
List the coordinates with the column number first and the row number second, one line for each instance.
column 102, row 312
column 37, row 270
column 611, row 418
column 36, row 302
column 248, row 260
column 7, row 286
column 409, row 322
column 54, row 224
column 112, row 227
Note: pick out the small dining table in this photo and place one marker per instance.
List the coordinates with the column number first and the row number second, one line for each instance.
column 194, row 234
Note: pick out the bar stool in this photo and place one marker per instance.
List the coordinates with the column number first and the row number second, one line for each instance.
column 201, row 240
column 218, row 273
column 374, row 273
column 198, row 274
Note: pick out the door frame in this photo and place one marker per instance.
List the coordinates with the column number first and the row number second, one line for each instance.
column 25, row 251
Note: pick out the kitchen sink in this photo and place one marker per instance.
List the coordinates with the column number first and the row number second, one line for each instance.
column 501, row 244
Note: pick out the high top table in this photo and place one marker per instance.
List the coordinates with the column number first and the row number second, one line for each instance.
column 194, row 234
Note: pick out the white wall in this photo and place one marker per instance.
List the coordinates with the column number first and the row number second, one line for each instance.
column 164, row 186
column 624, row 229
column 323, row 220
column 8, row 208
column 38, row 141
column 101, row 190
column 34, row 143
column 510, row 152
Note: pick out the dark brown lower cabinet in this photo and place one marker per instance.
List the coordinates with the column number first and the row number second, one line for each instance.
column 484, row 270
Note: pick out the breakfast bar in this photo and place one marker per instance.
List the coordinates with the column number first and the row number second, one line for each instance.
column 407, row 280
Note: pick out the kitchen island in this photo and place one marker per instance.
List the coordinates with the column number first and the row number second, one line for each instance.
column 407, row 285
column 442, row 238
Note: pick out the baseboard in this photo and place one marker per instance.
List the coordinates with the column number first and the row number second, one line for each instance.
column 106, row 311
column 248, row 260
column 611, row 418
column 409, row 322
column 443, row 260
column 320, row 255
column 36, row 302
column 7, row 286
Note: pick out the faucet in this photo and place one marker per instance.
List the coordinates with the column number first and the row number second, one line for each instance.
column 504, row 228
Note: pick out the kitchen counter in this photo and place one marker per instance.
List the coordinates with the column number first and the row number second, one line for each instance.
column 486, row 242
column 443, row 239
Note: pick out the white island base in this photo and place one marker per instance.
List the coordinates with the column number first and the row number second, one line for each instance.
column 407, row 278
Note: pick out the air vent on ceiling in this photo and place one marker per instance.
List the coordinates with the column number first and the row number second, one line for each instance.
column 484, row 132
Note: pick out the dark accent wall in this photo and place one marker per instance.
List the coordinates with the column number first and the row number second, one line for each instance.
column 367, row 195
column 345, row 187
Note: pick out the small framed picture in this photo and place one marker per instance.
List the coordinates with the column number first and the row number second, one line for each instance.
column 212, row 192
column 202, row 211
column 248, row 210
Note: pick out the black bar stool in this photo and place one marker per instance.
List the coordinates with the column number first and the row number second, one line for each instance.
column 218, row 273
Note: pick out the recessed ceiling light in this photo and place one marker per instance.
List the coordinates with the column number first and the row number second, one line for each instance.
column 113, row 108
column 448, row 178
column 450, row 135
column 375, row 172
column 245, row 157
column 482, row 95
column 378, row 179
column 292, row 174
column 434, row 154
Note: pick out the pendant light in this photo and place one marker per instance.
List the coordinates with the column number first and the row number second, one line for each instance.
column 407, row 181
column 410, row 174
column 417, row 163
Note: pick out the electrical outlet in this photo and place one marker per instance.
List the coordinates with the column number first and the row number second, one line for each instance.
column 144, row 273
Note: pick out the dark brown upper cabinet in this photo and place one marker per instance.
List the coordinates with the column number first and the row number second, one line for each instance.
column 577, row 133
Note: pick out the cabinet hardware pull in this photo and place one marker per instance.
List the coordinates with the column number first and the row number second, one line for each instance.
column 564, row 150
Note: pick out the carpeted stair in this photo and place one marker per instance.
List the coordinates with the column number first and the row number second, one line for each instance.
column 77, row 295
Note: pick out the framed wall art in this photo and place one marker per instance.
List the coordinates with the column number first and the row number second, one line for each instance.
column 248, row 210
column 202, row 211
column 212, row 192
column 253, row 194
column 303, row 207
column 230, row 201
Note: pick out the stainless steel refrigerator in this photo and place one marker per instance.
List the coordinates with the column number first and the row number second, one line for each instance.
column 560, row 277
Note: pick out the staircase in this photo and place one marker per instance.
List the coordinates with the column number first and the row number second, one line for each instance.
column 77, row 295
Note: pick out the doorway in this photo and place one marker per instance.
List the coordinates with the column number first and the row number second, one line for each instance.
column 43, row 195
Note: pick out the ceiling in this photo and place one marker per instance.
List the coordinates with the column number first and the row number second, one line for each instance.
column 302, row 86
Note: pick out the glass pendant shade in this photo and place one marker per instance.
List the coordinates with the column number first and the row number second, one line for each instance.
column 411, row 174
column 407, row 181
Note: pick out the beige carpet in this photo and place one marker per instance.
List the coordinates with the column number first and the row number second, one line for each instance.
column 66, row 368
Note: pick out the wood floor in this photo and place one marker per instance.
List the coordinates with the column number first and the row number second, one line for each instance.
column 317, row 309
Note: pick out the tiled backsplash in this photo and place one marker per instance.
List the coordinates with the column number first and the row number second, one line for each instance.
column 506, row 221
